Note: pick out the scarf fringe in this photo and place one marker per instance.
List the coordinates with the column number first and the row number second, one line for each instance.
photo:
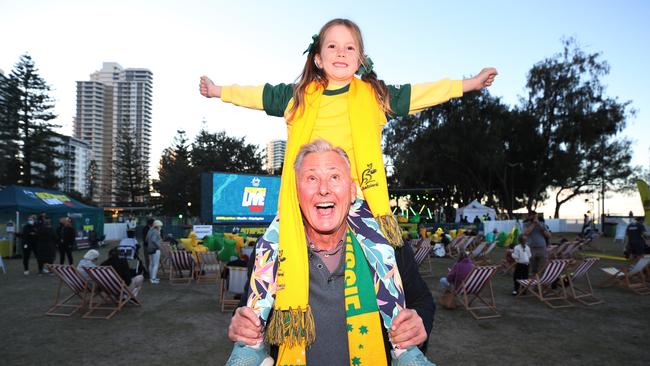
column 390, row 227
column 291, row 327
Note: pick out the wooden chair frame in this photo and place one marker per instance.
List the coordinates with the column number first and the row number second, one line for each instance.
column 70, row 277
column 471, row 289
column 625, row 277
column 111, row 290
column 181, row 261
column 542, row 287
column 209, row 271
column 584, row 294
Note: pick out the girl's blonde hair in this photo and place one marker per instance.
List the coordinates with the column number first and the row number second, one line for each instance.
column 312, row 73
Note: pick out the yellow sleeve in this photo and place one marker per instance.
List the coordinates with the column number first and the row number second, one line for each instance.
column 243, row 96
column 429, row 94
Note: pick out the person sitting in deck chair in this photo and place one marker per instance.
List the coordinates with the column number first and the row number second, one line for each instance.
column 122, row 268
column 457, row 273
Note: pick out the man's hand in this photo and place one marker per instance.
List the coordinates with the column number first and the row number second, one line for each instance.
column 407, row 330
column 208, row 89
column 245, row 326
column 484, row 79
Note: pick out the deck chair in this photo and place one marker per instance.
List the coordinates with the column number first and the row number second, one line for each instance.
column 542, row 287
column 477, row 251
column 471, row 288
column 209, row 268
column 181, row 261
column 625, row 277
column 165, row 257
column 76, row 283
column 484, row 257
column 507, row 262
column 233, row 285
column 111, row 290
column 423, row 258
column 585, row 294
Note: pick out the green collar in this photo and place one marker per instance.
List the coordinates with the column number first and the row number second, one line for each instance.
column 342, row 90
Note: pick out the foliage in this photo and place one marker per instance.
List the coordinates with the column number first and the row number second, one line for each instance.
column 30, row 147
column 129, row 170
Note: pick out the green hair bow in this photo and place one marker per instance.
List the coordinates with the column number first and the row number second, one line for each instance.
column 314, row 40
column 365, row 68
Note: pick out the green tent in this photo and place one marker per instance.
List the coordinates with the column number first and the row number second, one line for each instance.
column 18, row 202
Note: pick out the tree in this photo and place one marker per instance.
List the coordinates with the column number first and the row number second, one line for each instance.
column 27, row 110
column 462, row 141
column 129, row 170
column 9, row 138
column 577, row 125
column 174, row 175
column 91, row 179
column 220, row 152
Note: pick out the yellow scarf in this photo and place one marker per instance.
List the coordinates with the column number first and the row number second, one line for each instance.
column 292, row 324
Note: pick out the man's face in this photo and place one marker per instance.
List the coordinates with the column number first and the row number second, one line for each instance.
column 325, row 191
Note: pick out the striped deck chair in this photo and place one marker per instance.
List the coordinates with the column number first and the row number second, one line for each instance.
column 471, row 288
column 209, row 268
column 542, row 287
column 234, row 285
column 76, row 283
column 423, row 258
column 477, row 251
column 181, row 261
column 165, row 257
column 585, row 294
column 111, row 290
column 625, row 277
column 484, row 257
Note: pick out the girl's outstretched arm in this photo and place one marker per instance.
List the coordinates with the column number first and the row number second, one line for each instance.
column 208, row 89
column 480, row 81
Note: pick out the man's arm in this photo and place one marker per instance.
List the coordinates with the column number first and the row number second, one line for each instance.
column 418, row 296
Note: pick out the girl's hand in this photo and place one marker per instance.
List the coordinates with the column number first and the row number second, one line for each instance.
column 208, row 89
column 484, row 79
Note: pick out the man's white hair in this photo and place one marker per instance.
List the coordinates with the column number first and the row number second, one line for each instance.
column 315, row 146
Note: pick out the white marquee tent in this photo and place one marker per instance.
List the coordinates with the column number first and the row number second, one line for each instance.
column 475, row 209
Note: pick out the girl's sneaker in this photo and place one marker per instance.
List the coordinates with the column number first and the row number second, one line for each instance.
column 412, row 357
column 243, row 355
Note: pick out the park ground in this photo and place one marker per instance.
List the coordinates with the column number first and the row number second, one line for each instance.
column 182, row 325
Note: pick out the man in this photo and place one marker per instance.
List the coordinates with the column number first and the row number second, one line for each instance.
column 145, row 248
column 131, row 224
column 29, row 237
column 122, row 268
column 636, row 245
column 536, row 234
column 325, row 192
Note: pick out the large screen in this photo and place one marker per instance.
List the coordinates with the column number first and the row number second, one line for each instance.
column 240, row 198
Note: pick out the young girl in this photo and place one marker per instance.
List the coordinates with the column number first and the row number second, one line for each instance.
column 521, row 255
column 328, row 102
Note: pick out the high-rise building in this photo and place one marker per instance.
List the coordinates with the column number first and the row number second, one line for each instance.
column 113, row 98
column 74, row 170
column 275, row 155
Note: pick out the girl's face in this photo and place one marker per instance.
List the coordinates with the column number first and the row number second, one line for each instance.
column 339, row 55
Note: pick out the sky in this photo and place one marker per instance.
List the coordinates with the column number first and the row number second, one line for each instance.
column 254, row 42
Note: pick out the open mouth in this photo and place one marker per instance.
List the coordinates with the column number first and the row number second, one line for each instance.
column 325, row 208
column 340, row 64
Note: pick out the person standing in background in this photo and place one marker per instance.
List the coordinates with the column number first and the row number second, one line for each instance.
column 46, row 243
column 537, row 235
column 29, row 238
column 66, row 240
column 145, row 250
column 153, row 243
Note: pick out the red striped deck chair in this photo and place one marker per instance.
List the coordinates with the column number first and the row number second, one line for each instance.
column 181, row 261
column 76, row 283
column 484, row 257
column 477, row 251
column 422, row 255
column 165, row 257
column 625, row 277
column 584, row 294
column 209, row 269
column 111, row 290
column 507, row 262
column 542, row 287
column 471, row 289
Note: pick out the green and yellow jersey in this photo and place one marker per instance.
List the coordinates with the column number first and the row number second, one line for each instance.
column 332, row 123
